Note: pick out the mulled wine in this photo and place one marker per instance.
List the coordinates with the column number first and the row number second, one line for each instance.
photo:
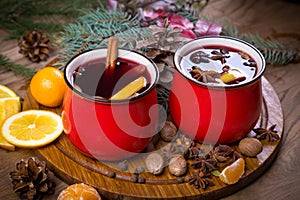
column 94, row 79
column 220, row 65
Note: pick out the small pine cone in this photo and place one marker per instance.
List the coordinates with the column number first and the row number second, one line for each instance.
column 32, row 179
column 35, row 45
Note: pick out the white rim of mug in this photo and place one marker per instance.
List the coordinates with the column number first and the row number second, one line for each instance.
column 68, row 76
column 178, row 56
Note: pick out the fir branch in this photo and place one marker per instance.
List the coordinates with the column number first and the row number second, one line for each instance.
column 22, row 16
column 273, row 51
column 6, row 64
column 94, row 28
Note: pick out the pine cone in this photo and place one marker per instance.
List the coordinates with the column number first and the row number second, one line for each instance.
column 35, row 45
column 32, row 179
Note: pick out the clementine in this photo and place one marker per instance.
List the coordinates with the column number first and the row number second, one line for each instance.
column 79, row 191
column 232, row 173
column 47, row 86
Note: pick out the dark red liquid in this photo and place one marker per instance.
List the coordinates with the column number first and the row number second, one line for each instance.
column 93, row 79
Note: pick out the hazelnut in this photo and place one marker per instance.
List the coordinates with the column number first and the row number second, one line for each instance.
column 177, row 165
column 250, row 147
column 168, row 132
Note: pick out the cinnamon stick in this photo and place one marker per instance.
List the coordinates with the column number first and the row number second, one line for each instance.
column 112, row 53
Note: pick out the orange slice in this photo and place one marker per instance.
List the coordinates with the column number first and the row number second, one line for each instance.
column 32, row 128
column 232, row 173
column 232, row 76
column 79, row 191
column 130, row 89
column 6, row 92
column 8, row 107
column 5, row 144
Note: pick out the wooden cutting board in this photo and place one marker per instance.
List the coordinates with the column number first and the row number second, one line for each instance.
column 72, row 166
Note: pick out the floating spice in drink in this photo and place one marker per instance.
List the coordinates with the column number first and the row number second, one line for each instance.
column 219, row 65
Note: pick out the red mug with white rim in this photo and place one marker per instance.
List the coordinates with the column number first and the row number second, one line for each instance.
column 110, row 129
column 216, row 112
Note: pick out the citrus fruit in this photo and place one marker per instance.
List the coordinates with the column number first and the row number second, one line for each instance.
column 47, row 86
column 6, row 92
column 79, row 191
column 32, row 128
column 9, row 104
column 232, row 173
column 5, row 144
column 8, row 107
column 130, row 89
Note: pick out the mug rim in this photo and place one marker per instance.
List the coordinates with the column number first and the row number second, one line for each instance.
column 101, row 100
column 254, row 79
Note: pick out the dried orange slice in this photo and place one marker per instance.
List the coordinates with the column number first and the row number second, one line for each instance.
column 232, row 173
column 32, row 128
column 79, row 191
column 130, row 89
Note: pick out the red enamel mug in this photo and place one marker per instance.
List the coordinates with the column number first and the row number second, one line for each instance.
column 216, row 113
column 110, row 129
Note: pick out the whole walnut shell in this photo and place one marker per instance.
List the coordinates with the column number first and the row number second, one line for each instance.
column 250, row 147
column 168, row 132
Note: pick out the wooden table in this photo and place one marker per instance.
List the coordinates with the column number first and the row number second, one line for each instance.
column 265, row 17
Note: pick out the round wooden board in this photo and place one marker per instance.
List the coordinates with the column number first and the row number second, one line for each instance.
column 72, row 166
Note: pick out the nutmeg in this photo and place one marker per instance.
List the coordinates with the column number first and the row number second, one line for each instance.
column 168, row 132
column 154, row 163
column 250, row 147
column 177, row 165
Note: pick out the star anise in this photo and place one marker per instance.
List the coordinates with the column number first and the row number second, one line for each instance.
column 220, row 153
column 267, row 133
column 236, row 155
column 220, row 55
column 205, row 164
column 200, row 180
column 209, row 76
column 193, row 151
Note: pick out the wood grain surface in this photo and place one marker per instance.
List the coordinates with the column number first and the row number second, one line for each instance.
column 278, row 18
column 72, row 166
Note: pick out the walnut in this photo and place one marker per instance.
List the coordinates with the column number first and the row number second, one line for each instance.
column 250, row 147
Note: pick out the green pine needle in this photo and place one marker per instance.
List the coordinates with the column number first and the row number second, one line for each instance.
column 94, row 28
column 6, row 64
column 274, row 52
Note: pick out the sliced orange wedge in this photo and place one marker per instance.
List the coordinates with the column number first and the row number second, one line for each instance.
column 232, row 173
column 130, row 89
